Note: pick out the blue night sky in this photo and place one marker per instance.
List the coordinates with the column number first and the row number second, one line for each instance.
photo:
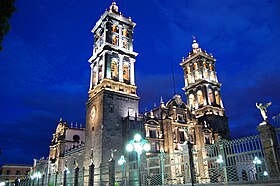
column 44, row 73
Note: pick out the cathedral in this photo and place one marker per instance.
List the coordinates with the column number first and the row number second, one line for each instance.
column 112, row 108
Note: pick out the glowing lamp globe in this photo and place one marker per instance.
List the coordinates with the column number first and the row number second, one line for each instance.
column 129, row 147
column 137, row 137
column 147, row 147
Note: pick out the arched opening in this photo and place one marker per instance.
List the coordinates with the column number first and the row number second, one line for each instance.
column 200, row 98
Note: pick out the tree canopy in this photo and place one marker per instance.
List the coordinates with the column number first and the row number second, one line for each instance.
column 6, row 9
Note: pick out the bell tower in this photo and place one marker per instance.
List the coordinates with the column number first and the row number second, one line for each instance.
column 112, row 92
column 202, row 89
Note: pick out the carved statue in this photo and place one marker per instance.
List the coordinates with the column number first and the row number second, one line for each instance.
column 263, row 110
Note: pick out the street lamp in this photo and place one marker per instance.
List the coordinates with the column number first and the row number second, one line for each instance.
column 138, row 144
column 37, row 175
column 220, row 161
column 122, row 163
column 257, row 162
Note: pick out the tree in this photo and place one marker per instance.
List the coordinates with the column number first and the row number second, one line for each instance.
column 6, row 10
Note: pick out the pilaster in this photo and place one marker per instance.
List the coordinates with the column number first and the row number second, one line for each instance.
column 270, row 144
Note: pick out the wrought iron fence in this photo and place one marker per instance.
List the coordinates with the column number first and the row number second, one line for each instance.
column 238, row 160
column 230, row 160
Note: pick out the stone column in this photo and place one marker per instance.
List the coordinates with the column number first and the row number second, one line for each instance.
column 121, row 68
column 132, row 79
column 111, row 172
column 271, row 153
column 91, row 77
column 188, row 162
column 200, row 169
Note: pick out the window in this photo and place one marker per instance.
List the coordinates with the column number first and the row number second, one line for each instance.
column 100, row 72
column 207, row 140
column 195, row 66
column 204, row 64
column 182, row 136
column 115, row 28
column 125, row 44
column 114, row 69
column 125, row 32
column 153, row 133
column 115, row 40
column 111, row 108
column 76, row 138
column 200, row 97
column 188, row 69
column 8, row 172
column 211, row 96
column 217, row 96
column 94, row 78
column 180, row 117
column 17, row 172
column 126, row 72
column 196, row 75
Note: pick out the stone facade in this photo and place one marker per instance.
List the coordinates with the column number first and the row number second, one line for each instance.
column 112, row 115
column 10, row 172
column 202, row 89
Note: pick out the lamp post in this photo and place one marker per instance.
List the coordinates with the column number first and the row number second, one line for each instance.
column 257, row 162
column 122, row 163
column 138, row 144
column 37, row 175
column 220, row 161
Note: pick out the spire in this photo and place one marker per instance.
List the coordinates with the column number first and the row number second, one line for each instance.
column 161, row 102
column 114, row 8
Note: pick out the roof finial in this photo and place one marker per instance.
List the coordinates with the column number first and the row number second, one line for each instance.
column 195, row 44
column 114, row 8
column 194, row 39
column 60, row 119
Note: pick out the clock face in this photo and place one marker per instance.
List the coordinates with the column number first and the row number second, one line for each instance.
column 93, row 112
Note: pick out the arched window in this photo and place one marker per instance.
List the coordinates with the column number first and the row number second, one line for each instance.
column 94, row 79
column 76, row 138
column 100, row 69
column 195, row 66
column 211, row 96
column 125, row 32
column 115, row 28
column 114, row 68
column 217, row 96
column 125, row 43
column 115, row 40
column 191, row 101
column 211, row 67
column 126, row 72
column 212, row 76
column 200, row 98
column 204, row 64
column 196, row 75
column 188, row 70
